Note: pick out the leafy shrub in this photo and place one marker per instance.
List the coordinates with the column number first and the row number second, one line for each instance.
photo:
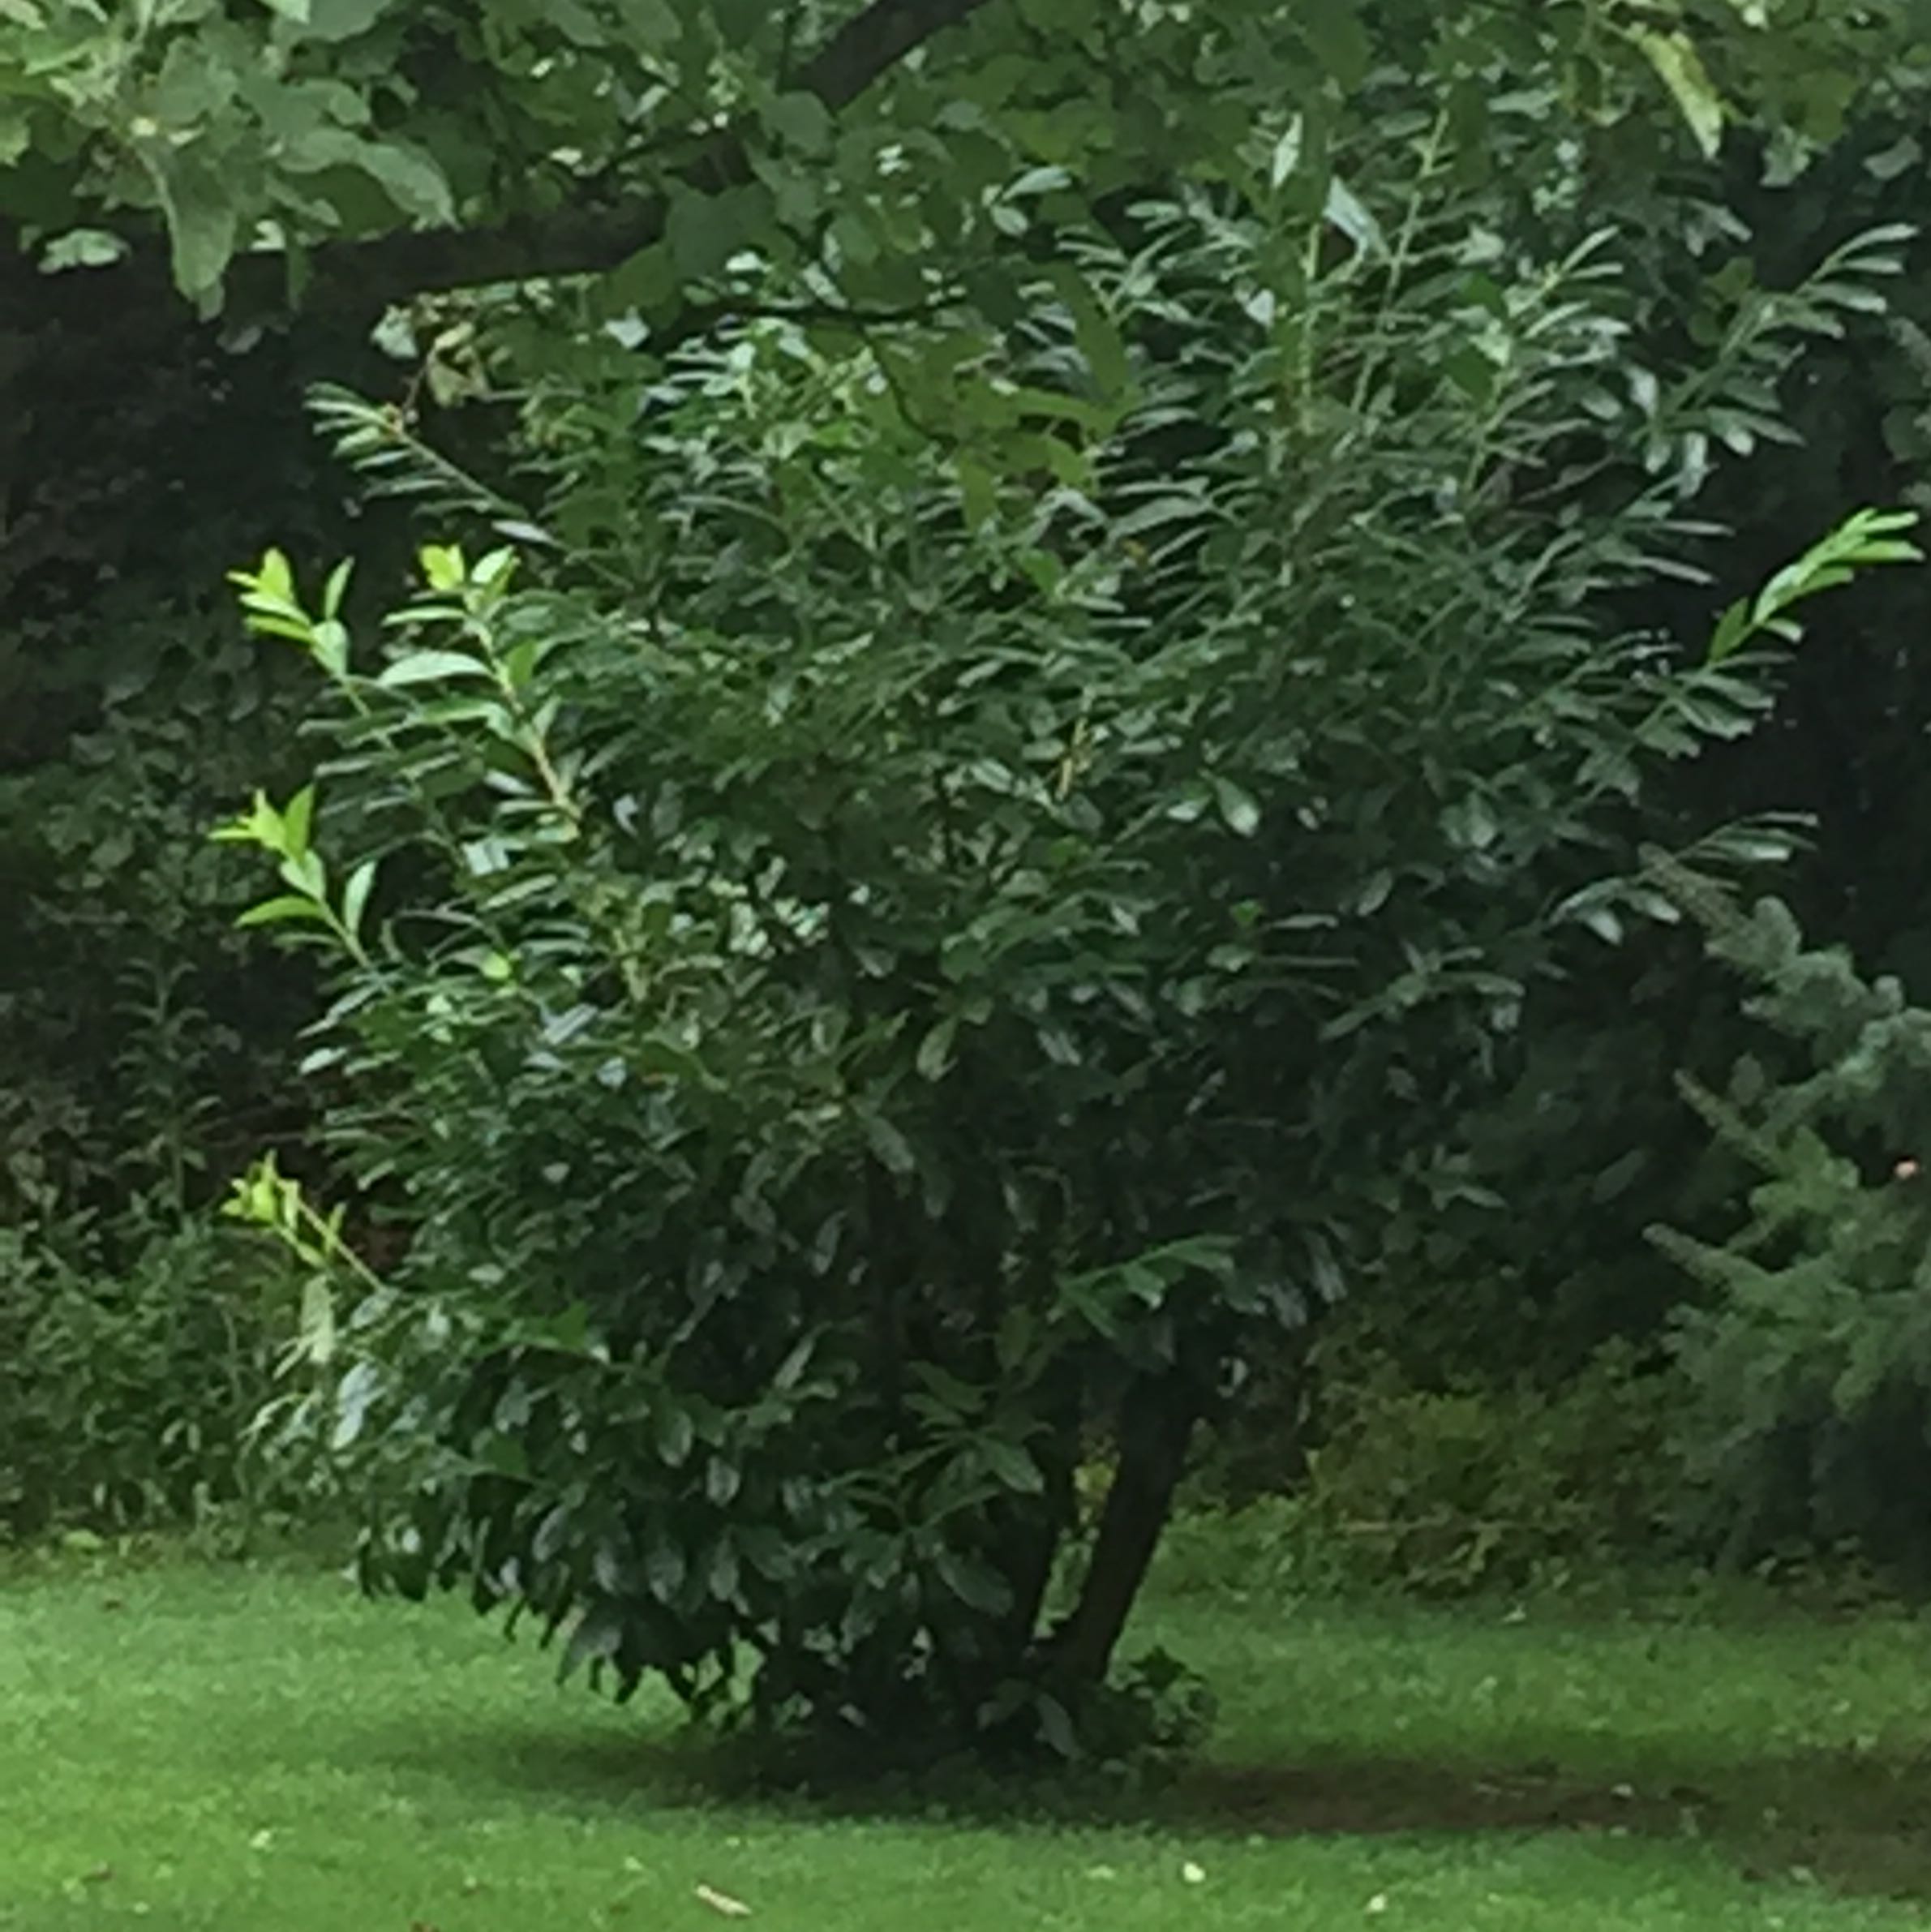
column 1445, row 1491
column 1255, row 1550
column 126, row 1396
column 965, row 900
column 145, row 1047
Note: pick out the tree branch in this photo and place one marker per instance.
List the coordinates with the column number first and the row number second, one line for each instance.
column 368, row 276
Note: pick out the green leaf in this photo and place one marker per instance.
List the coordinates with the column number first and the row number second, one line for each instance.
column 647, row 282
column 353, row 1396
column 328, row 645
column 1239, row 807
column 1018, row 1336
column 443, row 566
column 275, row 912
column 659, row 1054
column 203, row 219
column 79, row 248
column 995, row 291
column 700, row 233
column 344, row 19
column 665, row 1570
column 1055, row 1728
column 297, row 821
column 308, row 874
column 934, row 1058
column 1287, row 152
column 976, row 1585
column 891, row 1147
column 1348, row 212
column 1010, row 1465
column 1334, row 34
column 653, row 23
column 1098, row 337
column 337, row 588
column 598, row 1637
column 1675, row 58
column 355, row 897
column 801, row 121
column 791, row 1369
column 1731, row 630
column 428, row 666
column 316, row 1326
column 675, row 1435
column 409, row 178
column 1604, row 921
column 16, row 139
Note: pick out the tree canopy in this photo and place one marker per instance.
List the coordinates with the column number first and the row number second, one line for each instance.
column 369, row 150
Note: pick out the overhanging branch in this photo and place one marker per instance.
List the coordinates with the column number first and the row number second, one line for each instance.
column 367, row 275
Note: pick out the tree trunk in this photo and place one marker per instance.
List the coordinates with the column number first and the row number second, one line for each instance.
column 1030, row 1572
column 1156, row 1422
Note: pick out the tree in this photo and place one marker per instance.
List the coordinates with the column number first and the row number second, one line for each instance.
column 1808, row 1352
column 663, row 167
column 300, row 166
column 955, row 909
column 379, row 150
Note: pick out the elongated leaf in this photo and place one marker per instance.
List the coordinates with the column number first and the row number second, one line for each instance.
column 665, row 1568
column 279, row 910
column 1347, row 211
column 317, row 1328
column 675, row 1435
column 426, row 667
column 203, row 219
column 1675, row 59
column 598, row 1637
column 1239, row 807
column 410, row 179
column 1056, row 1727
column 297, row 820
column 935, row 1050
column 354, row 1393
column 1010, row 1465
column 891, row 1147
column 975, row 1584
column 355, row 897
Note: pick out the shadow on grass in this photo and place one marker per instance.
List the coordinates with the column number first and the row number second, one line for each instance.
column 1855, row 1821
column 1851, row 1820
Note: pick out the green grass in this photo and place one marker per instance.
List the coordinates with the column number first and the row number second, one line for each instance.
column 238, row 1749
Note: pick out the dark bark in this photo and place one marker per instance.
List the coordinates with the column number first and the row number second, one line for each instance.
column 1037, row 1544
column 1157, row 1424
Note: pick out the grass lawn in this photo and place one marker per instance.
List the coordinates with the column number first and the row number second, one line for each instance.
column 256, row 1750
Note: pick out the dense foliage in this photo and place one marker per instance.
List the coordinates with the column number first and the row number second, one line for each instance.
column 1054, row 787
column 1808, row 1354
column 898, row 960
column 307, row 164
column 131, row 1379
column 293, row 139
